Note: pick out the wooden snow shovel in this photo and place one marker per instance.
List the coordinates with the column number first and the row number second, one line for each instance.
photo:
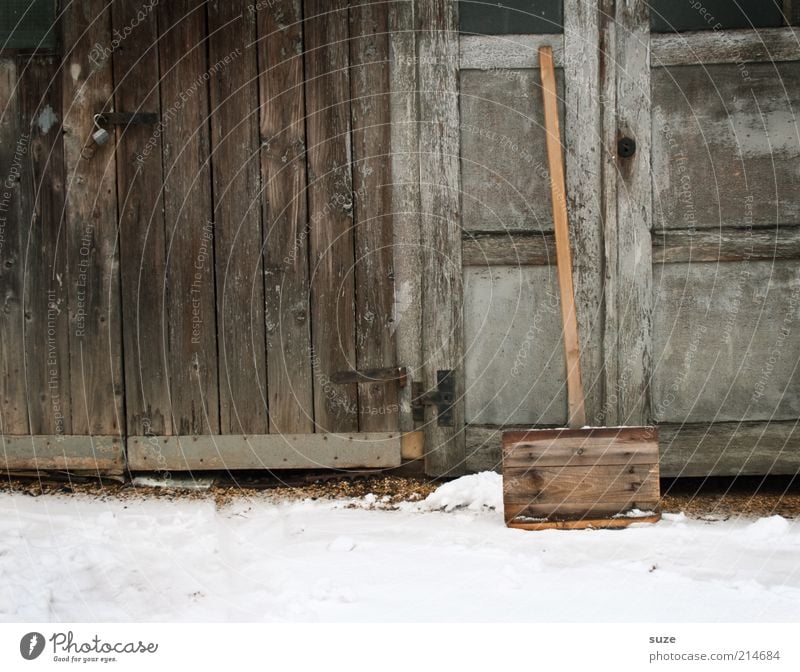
column 579, row 476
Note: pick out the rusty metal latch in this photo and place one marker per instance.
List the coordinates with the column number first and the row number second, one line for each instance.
column 442, row 397
column 391, row 374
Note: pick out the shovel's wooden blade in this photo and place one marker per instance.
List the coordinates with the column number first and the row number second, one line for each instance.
column 594, row 477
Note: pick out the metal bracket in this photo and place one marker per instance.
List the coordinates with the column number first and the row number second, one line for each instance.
column 442, row 397
column 392, row 374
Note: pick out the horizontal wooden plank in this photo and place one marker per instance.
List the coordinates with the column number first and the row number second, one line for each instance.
column 578, row 451
column 578, row 436
column 543, row 487
column 489, row 52
column 98, row 454
column 583, row 523
column 725, row 46
column 702, row 449
column 730, row 449
column 726, row 244
column 509, row 249
column 567, row 510
column 264, row 451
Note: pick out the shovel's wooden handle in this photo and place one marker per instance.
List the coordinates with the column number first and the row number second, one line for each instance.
column 569, row 320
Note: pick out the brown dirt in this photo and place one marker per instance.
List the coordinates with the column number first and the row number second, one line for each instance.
column 708, row 501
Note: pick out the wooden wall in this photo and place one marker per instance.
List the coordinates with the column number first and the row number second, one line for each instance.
column 209, row 273
column 686, row 254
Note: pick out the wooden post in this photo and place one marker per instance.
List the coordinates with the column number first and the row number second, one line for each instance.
column 440, row 208
column 405, row 199
column 634, row 266
column 370, row 106
column 584, row 188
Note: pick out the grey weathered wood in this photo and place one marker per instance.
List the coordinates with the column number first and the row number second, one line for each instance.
column 703, row 449
column 725, row 146
column 141, row 231
column 542, row 488
column 192, row 351
column 14, row 148
column 727, row 244
column 98, row 455
column 45, row 262
column 265, row 451
column 730, row 449
column 514, row 352
column 628, row 326
column 582, row 128
column 725, row 46
column 725, row 347
column 567, row 448
column 91, row 211
column 405, row 199
column 373, row 221
column 283, row 170
column 241, row 338
column 609, row 413
column 508, row 249
column 330, row 199
column 503, row 158
column 496, row 52
column 440, row 190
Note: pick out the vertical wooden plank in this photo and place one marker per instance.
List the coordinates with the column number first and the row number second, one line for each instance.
column 440, row 188
column 187, row 212
column 582, row 128
column 45, row 303
column 141, row 216
column 14, row 148
column 283, row 170
column 607, row 39
column 634, row 265
column 91, row 208
column 330, row 204
column 370, row 109
column 237, row 221
column 405, row 199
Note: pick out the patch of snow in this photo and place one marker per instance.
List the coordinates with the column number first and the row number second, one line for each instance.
column 473, row 492
column 767, row 529
column 342, row 544
column 78, row 558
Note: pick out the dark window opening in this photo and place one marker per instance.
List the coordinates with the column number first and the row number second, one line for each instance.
column 511, row 16
column 668, row 16
column 28, row 24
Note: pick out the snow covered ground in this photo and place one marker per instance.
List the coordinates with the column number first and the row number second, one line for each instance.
column 74, row 558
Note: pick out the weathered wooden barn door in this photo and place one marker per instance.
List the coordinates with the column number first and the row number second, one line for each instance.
column 256, row 235
column 681, row 153
column 724, row 151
